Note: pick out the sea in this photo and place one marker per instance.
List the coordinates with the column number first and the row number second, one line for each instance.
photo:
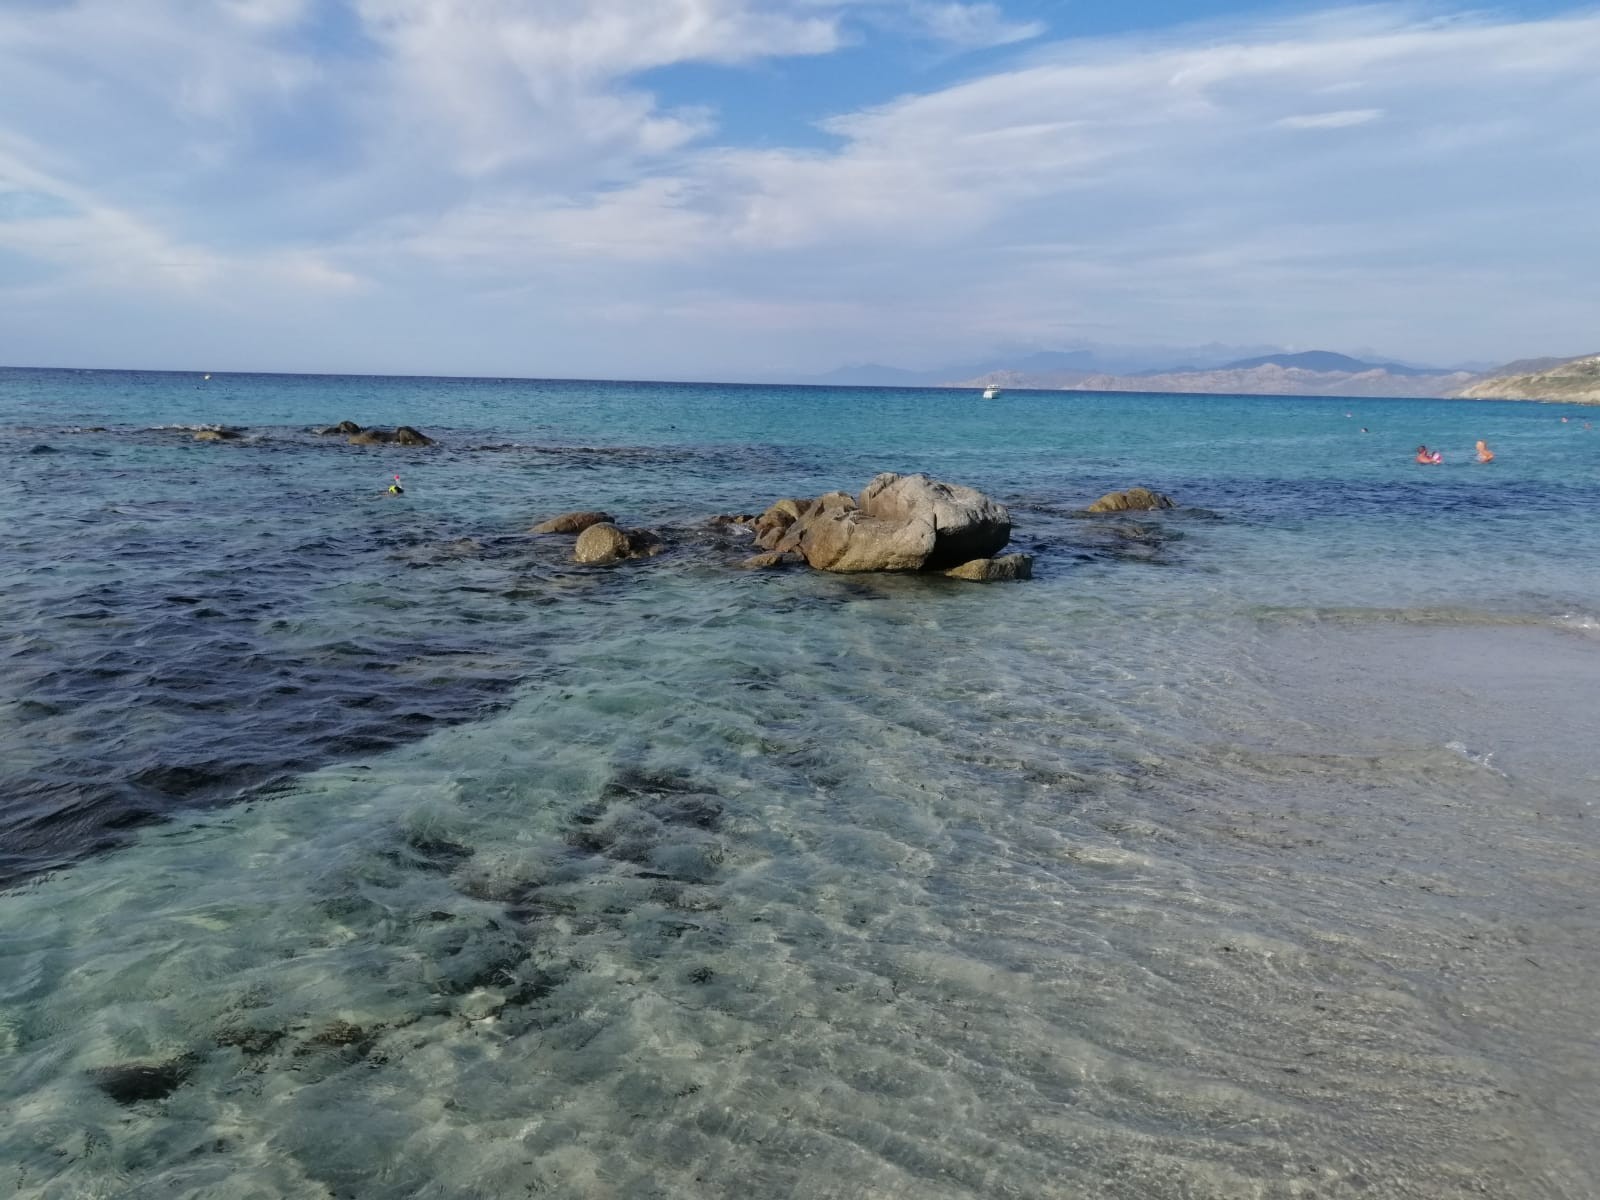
column 366, row 846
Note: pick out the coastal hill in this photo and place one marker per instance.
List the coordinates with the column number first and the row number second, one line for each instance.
column 1576, row 379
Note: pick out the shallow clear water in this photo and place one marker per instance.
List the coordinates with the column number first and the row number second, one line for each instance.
column 367, row 847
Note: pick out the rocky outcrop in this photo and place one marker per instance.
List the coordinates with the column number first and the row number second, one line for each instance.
column 573, row 522
column 343, row 429
column 404, row 435
column 217, row 435
column 898, row 523
column 606, row 543
column 1135, row 499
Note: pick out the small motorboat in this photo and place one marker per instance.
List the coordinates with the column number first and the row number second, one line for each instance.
column 990, row 392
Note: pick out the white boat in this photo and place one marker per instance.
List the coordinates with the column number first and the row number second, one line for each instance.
column 990, row 392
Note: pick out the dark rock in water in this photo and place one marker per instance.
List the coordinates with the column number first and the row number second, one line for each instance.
column 405, row 435
column 216, row 435
column 1136, row 499
column 574, row 522
column 721, row 520
column 343, row 428
column 41, row 448
column 129, row 1083
column 990, row 570
column 899, row 523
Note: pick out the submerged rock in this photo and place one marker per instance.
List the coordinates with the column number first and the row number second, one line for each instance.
column 129, row 1083
column 574, row 522
column 216, row 435
column 770, row 560
column 1135, row 499
column 991, row 570
column 899, row 523
column 405, row 435
column 343, row 428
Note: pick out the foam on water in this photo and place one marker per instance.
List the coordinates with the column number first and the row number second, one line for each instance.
column 1156, row 877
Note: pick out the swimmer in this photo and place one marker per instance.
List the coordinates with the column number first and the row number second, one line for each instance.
column 1429, row 458
column 1364, row 429
column 395, row 489
column 1484, row 453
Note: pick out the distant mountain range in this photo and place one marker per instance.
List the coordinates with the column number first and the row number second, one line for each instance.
column 1325, row 373
column 1039, row 365
column 1243, row 370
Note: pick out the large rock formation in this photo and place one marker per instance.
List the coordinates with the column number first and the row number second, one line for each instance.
column 898, row 523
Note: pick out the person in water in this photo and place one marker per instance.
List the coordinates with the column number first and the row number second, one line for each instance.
column 395, row 489
column 1484, row 453
column 1429, row 458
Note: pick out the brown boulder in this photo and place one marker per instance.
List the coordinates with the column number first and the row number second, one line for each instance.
column 601, row 543
column 216, row 435
column 405, row 435
column 345, row 428
column 605, row 543
column 1136, row 499
column 371, row 437
column 573, row 522
column 990, row 570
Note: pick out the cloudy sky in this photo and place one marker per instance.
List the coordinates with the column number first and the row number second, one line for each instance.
column 743, row 188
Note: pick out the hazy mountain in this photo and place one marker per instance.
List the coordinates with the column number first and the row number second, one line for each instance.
column 1041, row 368
column 1327, row 360
column 1572, row 379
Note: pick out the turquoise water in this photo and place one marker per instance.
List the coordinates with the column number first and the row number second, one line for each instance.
column 1247, row 850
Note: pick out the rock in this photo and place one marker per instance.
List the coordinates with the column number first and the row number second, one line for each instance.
column 642, row 543
column 771, row 560
column 899, row 523
column 574, row 522
column 1136, row 499
column 991, row 570
column 722, row 520
column 405, row 435
column 128, row 1083
column 345, row 428
column 216, row 435
column 771, row 525
column 41, row 448
column 601, row 543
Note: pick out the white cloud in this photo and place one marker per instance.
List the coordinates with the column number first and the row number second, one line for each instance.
column 505, row 160
column 1331, row 120
column 972, row 26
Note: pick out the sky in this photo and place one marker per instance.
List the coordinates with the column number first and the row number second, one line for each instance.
column 751, row 189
